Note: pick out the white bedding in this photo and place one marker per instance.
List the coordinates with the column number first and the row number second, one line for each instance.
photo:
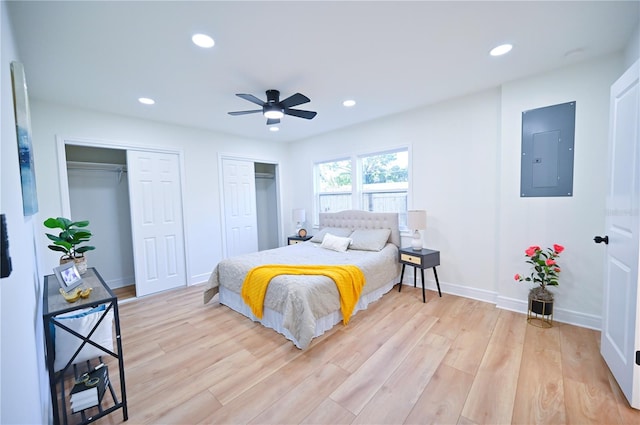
column 303, row 307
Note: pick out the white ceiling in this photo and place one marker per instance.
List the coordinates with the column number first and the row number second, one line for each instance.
column 388, row 56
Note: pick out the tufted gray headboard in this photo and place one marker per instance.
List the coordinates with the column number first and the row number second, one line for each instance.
column 356, row 219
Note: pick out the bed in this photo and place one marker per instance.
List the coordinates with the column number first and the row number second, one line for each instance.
column 302, row 307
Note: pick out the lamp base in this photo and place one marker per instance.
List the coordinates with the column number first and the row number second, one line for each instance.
column 416, row 242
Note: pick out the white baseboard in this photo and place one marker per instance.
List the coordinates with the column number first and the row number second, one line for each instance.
column 199, row 278
column 122, row 282
column 590, row 321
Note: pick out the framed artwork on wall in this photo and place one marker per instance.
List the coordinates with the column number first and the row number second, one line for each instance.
column 25, row 149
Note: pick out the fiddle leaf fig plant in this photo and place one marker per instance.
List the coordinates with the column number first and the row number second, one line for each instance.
column 73, row 233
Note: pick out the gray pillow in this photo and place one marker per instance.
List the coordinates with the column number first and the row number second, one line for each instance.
column 369, row 239
column 336, row 231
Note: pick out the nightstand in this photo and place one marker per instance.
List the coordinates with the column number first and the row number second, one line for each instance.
column 292, row 240
column 423, row 259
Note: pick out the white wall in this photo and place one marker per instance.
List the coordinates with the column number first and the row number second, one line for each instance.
column 23, row 382
column 454, row 167
column 200, row 150
column 465, row 172
column 632, row 50
column 570, row 221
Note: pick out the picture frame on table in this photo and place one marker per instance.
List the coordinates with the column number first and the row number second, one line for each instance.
column 68, row 276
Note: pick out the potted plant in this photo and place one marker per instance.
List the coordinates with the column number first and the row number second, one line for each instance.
column 545, row 273
column 73, row 233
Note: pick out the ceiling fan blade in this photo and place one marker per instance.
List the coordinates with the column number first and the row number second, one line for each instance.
column 244, row 112
column 295, row 100
column 251, row 98
column 300, row 113
column 271, row 121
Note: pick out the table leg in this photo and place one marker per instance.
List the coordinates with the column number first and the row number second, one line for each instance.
column 414, row 276
column 424, row 300
column 435, row 273
column 401, row 277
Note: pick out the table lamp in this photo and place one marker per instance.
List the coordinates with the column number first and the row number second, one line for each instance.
column 299, row 216
column 416, row 221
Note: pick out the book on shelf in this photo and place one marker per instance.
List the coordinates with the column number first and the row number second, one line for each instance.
column 89, row 390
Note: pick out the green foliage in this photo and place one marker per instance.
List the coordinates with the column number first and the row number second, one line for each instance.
column 335, row 176
column 72, row 235
column 383, row 169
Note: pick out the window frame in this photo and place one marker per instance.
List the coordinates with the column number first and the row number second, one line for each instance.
column 357, row 181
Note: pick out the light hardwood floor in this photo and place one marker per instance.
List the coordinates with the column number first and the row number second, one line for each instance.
column 451, row 360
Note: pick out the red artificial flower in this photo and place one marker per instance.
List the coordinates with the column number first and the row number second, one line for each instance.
column 558, row 248
column 557, row 269
column 531, row 251
column 550, row 261
column 516, row 277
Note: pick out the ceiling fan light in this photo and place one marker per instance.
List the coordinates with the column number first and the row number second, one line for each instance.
column 274, row 114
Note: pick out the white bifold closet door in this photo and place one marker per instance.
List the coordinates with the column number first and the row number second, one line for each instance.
column 156, row 221
column 241, row 227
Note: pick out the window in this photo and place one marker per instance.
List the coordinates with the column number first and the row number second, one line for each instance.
column 376, row 182
column 333, row 186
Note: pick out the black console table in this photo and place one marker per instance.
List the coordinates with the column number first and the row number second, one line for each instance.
column 61, row 381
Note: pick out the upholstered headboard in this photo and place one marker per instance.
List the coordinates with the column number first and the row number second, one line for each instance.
column 356, row 219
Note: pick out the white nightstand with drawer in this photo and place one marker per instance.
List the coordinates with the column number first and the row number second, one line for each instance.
column 423, row 259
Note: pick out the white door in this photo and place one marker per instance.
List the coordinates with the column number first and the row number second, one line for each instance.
column 240, row 215
column 156, row 221
column 620, row 340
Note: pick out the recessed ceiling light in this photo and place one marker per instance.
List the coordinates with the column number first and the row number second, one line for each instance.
column 349, row 103
column 274, row 129
column 146, row 101
column 501, row 50
column 203, row 40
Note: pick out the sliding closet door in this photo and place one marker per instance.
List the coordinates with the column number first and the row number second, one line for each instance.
column 156, row 221
column 239, row 206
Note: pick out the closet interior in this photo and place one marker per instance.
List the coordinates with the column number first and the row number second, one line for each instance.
column 99, row 192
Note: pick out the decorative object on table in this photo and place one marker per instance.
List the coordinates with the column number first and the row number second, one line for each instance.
column 416, row 221
column 75, row 294
column 302, row 233
column 89, row 388
column 299, row 216
column 545, row 273
column 68, row 276
column 73, row 234
column 25, row 149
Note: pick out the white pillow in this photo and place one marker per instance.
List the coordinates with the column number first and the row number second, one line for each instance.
column 337, row 231
column 369, row 239
column 335, row 243
column 82, row 321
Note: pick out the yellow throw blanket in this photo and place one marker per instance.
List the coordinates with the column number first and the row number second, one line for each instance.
column 349, row 281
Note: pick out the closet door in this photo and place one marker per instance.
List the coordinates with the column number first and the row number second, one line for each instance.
column 239, row 206
column 156, row 221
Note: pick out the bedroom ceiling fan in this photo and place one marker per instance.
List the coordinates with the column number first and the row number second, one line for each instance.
column 274, row 109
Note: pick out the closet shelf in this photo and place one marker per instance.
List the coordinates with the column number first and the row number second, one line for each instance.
column 98, row 166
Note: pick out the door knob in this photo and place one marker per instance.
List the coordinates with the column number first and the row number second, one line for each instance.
column 600, row 239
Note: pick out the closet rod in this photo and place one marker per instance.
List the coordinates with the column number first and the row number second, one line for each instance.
column 98, row 166
column 264, row 175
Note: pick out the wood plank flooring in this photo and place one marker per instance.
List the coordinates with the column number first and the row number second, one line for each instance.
column 450, row 361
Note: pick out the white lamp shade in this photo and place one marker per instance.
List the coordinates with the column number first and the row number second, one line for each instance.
column 299, row 215
column 417, row 219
